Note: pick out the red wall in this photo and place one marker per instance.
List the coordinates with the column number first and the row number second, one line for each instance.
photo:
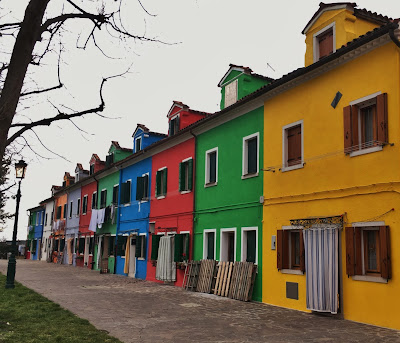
column 176, row 209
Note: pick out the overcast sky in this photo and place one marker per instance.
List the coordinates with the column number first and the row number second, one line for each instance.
column 210, row 34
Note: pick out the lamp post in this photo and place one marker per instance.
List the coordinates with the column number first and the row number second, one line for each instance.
column 20, row 169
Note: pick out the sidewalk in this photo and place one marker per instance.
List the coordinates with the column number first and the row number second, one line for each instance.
column 140, row 311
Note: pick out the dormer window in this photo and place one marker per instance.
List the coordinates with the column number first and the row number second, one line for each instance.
column 231, row 93
column 138, row 144
column 76, row 177
column 324, row 42
column 91, row 169
column 174, row 126
column 109, row 159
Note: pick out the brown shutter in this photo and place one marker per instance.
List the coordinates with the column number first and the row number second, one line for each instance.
column 349, row 251
column 354, row 127
column 382, row 117
column 384, row 237
column 294, row 145
column 279, row 249
column 302, row 253
column 347, row 129
column 357, row 253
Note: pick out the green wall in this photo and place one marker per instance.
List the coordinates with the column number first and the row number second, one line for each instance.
column 234, row 202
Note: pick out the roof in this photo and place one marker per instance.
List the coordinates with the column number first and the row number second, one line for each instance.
column 146, row 130
column 351, row 6
column 36, row 208
column 186, row 108
column 116, row 144
column 245, row 70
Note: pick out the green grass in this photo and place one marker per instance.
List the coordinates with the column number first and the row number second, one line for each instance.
column 28, row 317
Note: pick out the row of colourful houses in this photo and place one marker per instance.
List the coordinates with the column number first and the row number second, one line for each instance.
column 298, row 175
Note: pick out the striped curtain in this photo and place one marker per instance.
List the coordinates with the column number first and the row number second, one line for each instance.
column 166, row 267
column 321, row 262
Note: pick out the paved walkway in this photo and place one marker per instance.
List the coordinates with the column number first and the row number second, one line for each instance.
column 141, row 311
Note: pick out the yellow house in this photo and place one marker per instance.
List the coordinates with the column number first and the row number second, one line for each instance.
column 331, row 214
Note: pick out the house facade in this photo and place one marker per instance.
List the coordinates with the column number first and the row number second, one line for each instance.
column 35, row 229
column 48, row 206
column 331, row 182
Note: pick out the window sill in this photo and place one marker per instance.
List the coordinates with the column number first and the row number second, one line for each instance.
column 185, row 192
column 366, row 151
column 141, row 259
column 292, row 271
column 297, row 166
column 160, row 197
column 210, row 184
column 127, row 204
column 249, row 176
column 369, row 278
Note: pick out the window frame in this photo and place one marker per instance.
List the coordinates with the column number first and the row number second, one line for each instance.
column 94, row 200
column 84, row 210
column 105, row 198
column 244, row 231
column 291, row 270
column 115, row 202
column 285, row 129
column 176, row 124
column 205, row 240
column 78, row 209
column 245, row 166
column 138, row 139
column 71, row 204
column 207, row 182
column 222, row 249
column 161, row 195
column 234, row 83
column 142, row 242
column 316, row 37
column 187, row 176
column 146, row 195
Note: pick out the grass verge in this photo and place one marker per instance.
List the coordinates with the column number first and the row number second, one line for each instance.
column 28, row 317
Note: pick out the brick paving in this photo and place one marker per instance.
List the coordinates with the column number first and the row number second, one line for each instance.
column 141, row 311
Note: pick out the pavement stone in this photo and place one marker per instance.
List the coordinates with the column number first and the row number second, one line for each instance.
column 142, row 311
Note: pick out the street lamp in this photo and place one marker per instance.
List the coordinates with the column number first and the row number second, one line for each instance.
column 20, row 169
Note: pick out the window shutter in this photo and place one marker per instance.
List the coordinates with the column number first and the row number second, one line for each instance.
column 155, row 242
column 357, row 251
column 251, row 246
column 178, row 248
column 279, row 249
column 382, row 117
column 144, row 246
column 354, row 127
column 177, row 124
column 186, row 247
column 294, row 145
column 347, row 129
column 350, row 251
column 302, row 253
column 146, row 186
column 190, row 176
column 158, row 183
column 115, row 195
column 252, row 156
column 139, row 188
column 81, row 245
column 170, row 128
column 386, row 267
column 165, row 181
column 125, row 192
column 181, row 176
column 213, row 167
column 121, row 241
column 210, row 245
column 138, row 249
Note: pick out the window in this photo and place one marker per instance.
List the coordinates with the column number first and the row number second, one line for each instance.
column 45, row 220
column 78, row 208
column 250, row 244
column 126, row 192
column 70, row 208
column 76, row 177
column 209, row 245
column 228, row 245
column 181, row 247
column 292, row 153
column 91, row 169
column 140, row 249
column 121, row 245
column 109, row 160
column 231, row 95
column 111, row 246
column 324, row 42
column 103, row 198
column 174, row 125
column 211, row 167
column 142, row 187
column 115, row 194
column 365, row 123
column 91, row 246
column 250, row 155
column 37, row 219
column 155, row 242
column 65, row 211
column 51, row 218
column 138, row 144
column 84, row 204
column 186, row 175
column 81, row 245
column 368, row 252
column 290, row 250
column 161, row 182
column 94, row 200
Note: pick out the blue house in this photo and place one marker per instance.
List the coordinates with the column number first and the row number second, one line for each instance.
column 37, row 215
column 134, row 206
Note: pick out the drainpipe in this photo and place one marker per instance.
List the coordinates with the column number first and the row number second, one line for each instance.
column 392, row 34
column 193, row 185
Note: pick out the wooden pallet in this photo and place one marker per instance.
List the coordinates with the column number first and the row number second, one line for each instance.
column 191, row 276
column 242, row 282
column 206, row 275
column 223, row 278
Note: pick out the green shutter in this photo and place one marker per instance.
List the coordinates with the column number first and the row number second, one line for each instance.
column 178, row 250
column 115, row 195
column 186, row 247
column 158, row 183
column 139, row 188
column 125, row 192
column 138, row 249
column 165, row 181
column 210, row 245
column 155, row 242
column 251, row 246
column 181, row 176
column 190, row 176
column 144, row 246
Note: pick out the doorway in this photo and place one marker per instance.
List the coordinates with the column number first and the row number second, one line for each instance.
column 86, row 253
column 132, row 258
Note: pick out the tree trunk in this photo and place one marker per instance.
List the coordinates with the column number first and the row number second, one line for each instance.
column 19, row 62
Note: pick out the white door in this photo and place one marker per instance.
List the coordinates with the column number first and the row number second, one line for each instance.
column 132, row 258
column 86, row 253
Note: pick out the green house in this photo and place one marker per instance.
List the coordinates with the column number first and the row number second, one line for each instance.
column 229, row 179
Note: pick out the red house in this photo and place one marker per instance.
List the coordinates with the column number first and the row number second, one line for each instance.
column 172, row 193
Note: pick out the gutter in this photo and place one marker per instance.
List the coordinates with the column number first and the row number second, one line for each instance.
column 193, row 185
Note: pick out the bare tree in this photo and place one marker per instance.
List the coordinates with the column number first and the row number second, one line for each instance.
column 37, row 35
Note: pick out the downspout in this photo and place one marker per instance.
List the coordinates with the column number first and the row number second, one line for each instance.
column 94, row 236
column 193, row 185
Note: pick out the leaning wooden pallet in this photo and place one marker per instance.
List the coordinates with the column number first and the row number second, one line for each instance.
column 205, row 276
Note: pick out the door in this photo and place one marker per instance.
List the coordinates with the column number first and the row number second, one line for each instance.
column 104, row 254
column 132, row 258
column 86, row 253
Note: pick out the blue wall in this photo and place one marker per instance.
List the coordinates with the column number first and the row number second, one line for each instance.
column 148, row 138
column 134, row 217
column 38, row 231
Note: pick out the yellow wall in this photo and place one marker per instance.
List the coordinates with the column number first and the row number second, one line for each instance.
column 348, row 27
column 332, row 183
